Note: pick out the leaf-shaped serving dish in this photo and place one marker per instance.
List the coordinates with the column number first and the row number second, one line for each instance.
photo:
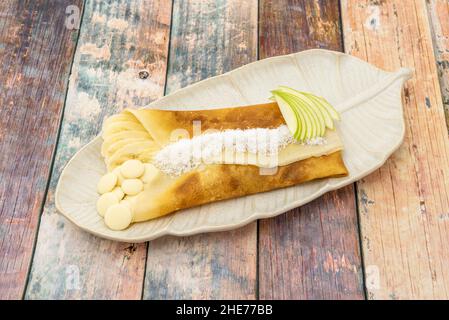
column 371, row 128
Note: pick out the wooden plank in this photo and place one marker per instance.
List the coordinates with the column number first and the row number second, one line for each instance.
column 35, row 55
column 439, row 22
column 117, row 40
column 208, row 37
column 311, row 252
column 404, row 205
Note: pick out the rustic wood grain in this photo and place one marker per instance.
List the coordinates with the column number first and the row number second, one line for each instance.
column 35, row 55
column 439, row 23
column 404, row 205
column 208, row 38
column 311, row 252
column 118, row 39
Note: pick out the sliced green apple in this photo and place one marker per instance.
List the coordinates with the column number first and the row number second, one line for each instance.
column 303, row 117
column 308, row 116
column 313, row 121
column 305, row 131
column 324, row 111
column 330, row 108
column 319, row 126
column 288, row 113
column 318, row 116
column 312, row 113
column 321, row 116
column 323, row 102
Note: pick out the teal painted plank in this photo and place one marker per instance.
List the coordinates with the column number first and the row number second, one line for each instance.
column 311, row 252
column 36, row 51
column 208, row 38
column 118, row 39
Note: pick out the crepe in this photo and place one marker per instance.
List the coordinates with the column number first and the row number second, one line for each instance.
column 140, row 134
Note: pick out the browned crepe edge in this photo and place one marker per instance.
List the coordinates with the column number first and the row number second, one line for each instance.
column 220, row 182
column 162, row 123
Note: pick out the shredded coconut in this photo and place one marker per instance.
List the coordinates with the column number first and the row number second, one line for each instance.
column 188, row 154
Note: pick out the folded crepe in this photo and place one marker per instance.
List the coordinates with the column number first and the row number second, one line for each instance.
column 141, row 134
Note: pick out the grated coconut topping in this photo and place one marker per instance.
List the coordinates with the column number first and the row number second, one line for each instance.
column 188, row 154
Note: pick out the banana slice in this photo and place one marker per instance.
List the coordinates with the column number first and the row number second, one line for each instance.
column 144, row 151
column 123, row 135
column 116, row 127
column 119, row 117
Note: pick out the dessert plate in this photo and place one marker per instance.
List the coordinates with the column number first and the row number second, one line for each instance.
column 371, row 128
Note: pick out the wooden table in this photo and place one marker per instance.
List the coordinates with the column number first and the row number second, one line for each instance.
column 385, row 237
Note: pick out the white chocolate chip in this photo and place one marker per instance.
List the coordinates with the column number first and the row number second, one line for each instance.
column 119, row 175
column 105, row 201
column 132, row 186
column 132, row 169
column 107, row 183
column 149, row 174
column 118, row 217
column 118, row 192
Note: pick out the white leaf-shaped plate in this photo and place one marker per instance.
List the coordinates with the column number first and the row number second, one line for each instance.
column 372, row 127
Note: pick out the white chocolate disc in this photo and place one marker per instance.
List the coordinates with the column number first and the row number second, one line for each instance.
column 149, row 174
column 105, row 201
column 119, row 175
column 132, row 186
column 132, row 169
column 118, row 192
column 118, row 217
column 107, row 183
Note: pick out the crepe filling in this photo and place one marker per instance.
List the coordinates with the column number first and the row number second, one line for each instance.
column 219, row 147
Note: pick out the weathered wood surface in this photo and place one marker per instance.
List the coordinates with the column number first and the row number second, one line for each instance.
column 439, row 23
column 311, row 252
column 208, row 38
column 118, row 39
column 404, row 206
column 35, row 55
